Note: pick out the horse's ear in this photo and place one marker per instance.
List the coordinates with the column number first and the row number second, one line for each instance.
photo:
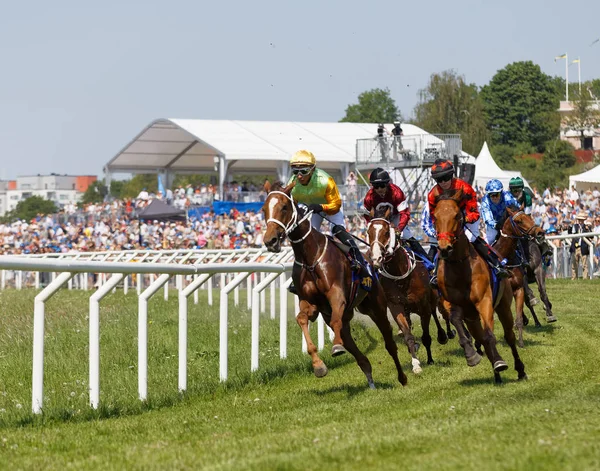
column 387, row 213
column 458, row 196
column 372, row 213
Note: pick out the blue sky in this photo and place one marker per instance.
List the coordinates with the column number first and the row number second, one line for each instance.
column 80, row 79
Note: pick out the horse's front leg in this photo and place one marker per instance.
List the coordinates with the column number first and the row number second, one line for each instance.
column 446, row 315
column 308, row 312
column 338, row 303
column 399, row 315
column 519, row 295
column 464, row 340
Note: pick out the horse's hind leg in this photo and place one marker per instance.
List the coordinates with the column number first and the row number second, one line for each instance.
column 506, row 318
column 400, row 316
column 445, row 312
column 541, row 282
column 529, row 297
column 309, row 312
column 442, row 337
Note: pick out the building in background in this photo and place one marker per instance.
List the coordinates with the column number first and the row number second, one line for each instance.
column 591, row 135
column 61, row 189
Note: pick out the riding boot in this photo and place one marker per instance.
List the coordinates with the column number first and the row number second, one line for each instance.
column 491, row 257
column 546, row 251
column 433, row 281
column 357, row 262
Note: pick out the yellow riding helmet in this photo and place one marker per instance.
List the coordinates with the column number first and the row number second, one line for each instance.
column 303, row 157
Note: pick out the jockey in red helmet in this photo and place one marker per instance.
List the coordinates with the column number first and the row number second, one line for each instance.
column 442, row 172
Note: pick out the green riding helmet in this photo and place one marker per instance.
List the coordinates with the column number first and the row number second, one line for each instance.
column 516, row 183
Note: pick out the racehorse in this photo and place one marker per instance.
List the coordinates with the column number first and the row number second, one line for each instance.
column 405, row 282
column 464, row 279
column 535, row 269
column 517, row 227
column 323, row 277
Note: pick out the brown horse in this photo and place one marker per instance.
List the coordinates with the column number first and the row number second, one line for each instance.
column 464, row 281
column 405, row 282
column 323, row 277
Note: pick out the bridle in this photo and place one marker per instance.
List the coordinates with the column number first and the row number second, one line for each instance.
column 452, row 237
column 292, row 225
column 519, row 232
column 390, row 249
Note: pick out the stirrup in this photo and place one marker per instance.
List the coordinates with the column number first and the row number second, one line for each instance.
column 433, row 281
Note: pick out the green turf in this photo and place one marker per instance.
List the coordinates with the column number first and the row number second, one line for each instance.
column 282, row 417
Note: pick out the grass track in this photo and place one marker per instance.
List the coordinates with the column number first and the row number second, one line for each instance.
column 282, row 417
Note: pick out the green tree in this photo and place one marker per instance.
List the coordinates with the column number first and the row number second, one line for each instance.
column 30, row 208
column 559, row 154
column 374, row 106
column 521, row 105
column 131, row 188
column 449, row 105
column 584, row 117
column 95, row 193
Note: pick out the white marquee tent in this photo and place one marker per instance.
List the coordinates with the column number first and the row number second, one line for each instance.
column 486, row 169
column 176, row 146
column 586, row 180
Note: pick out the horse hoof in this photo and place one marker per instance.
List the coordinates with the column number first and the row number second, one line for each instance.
column 451, row 334
column 442, row 339
column 337, row 350
column 521, row 344
column 321, row 371
column 525, row 320
column 372, row 385
column 430, row 362
column 500, row 365
column 403, row 379
column 523, row 376
column 551, row 318
column 474, row 360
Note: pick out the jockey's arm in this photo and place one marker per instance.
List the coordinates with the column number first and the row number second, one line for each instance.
column 332, row 197
column 404, row 212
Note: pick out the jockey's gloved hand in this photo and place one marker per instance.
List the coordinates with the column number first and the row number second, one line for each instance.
column 315, row 208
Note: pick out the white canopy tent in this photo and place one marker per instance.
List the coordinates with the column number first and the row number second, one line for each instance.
column 172, row 146
column 487, row 169
column 586, row 180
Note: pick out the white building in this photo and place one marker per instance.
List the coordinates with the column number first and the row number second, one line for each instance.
column 61, row 189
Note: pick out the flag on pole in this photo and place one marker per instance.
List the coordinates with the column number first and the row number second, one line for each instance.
column 161, row 187
column 564, row 56
column 576, row 61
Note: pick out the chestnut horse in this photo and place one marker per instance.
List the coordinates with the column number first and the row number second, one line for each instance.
column 464, row 279
column 405, row 282
column 323, row 277
column 518, row 228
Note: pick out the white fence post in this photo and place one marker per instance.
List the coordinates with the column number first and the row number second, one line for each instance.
column 37, row 386
column 94, row 378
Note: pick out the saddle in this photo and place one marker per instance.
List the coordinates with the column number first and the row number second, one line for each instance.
column 362, row 280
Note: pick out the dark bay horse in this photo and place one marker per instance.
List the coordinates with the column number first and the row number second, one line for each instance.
column 464, row 279
column 405, row 282
column 323, row 277
column 535, row 269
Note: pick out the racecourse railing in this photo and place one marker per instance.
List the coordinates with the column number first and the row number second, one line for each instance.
column 199, row 266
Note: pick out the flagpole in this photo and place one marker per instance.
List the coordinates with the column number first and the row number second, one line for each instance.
column 567, row 75
column 579, row 72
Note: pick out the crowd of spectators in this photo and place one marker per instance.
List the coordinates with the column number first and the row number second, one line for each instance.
column 114, row 225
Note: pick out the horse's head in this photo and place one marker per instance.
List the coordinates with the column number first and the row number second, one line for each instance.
column 522, row 225
column 380, row 234
column 448, row 221
column 280, row 214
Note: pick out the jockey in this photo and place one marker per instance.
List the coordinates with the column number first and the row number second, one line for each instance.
column 317, row 189
column 493, row 208
column 523, row 195
column 383, row 191
column 442, row 172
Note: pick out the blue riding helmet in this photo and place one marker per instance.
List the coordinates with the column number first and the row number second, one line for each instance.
column 494, row 186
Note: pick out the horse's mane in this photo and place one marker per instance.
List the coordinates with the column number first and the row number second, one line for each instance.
column 277, row 186
column 447, row 195
column 381, row 209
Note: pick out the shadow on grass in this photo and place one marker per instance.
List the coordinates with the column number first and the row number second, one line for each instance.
column 489, row 380
column 351, row 390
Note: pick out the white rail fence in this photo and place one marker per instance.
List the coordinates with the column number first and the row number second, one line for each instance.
column 234, row 267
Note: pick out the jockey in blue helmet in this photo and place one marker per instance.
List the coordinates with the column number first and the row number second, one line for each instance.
column 493, row 208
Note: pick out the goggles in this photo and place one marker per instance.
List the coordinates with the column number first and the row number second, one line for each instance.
column 445, row 178
column 494, row 195
column 302, row 171
column 378, row 186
